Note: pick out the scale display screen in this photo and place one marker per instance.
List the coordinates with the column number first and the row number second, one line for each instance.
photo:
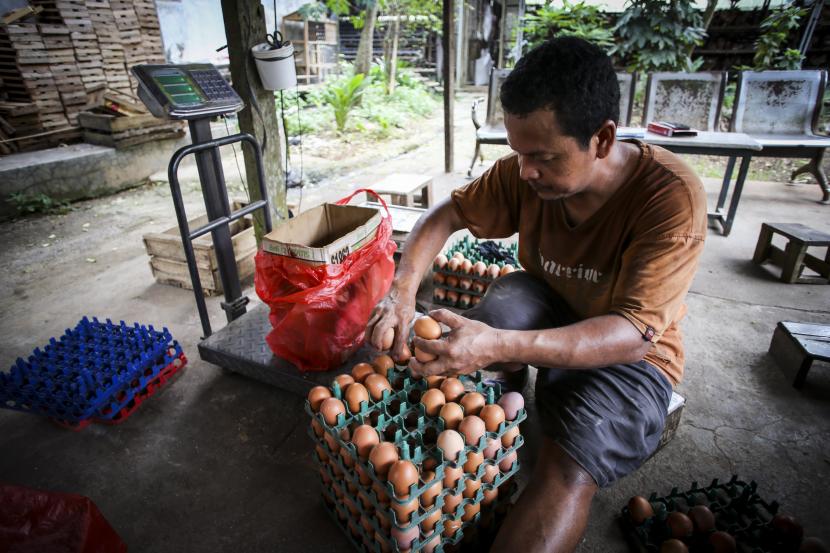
column 188, row 91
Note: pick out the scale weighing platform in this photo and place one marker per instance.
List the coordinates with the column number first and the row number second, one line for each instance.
column 198, row 93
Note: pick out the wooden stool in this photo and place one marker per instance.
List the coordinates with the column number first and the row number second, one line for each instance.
column 794, row 257
column 795, row 346
column 403, row 187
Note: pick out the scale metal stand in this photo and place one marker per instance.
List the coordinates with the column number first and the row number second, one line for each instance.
column 197, row 93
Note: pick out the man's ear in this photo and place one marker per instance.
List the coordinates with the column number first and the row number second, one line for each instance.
column 606, row 136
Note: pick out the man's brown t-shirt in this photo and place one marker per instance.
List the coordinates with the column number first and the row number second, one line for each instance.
column 636, row 256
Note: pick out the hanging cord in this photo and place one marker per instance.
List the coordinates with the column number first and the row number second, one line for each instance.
column 236, row 159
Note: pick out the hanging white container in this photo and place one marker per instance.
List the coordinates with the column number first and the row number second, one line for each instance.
column 276, row 66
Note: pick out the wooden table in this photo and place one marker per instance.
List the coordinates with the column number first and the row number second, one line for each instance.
column 403, row 187
column 732, row 144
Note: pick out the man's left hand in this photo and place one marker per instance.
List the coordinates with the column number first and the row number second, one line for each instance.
column 468, row 346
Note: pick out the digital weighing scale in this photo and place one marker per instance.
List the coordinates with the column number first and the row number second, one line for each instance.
column 198, row 93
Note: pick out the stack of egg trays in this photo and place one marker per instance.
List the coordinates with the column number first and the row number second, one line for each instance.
column 402, row 412
column 463, row 245
column 737, row 507
column 92, row 371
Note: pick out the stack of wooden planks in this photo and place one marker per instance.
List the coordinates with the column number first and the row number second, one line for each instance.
column 60, row 58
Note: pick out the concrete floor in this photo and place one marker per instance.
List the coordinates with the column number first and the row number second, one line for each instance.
column 217, row 462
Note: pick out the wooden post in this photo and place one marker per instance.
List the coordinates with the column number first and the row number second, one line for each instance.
column 448, row 45
column 245, row 27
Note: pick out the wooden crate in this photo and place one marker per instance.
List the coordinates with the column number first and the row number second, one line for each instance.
column 169, row 266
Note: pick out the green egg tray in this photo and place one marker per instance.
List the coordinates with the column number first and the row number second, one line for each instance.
column 736, row 505
column 468, row 247
column 399, row 417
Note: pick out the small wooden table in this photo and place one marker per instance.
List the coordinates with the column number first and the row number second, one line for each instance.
column 795, row 346
column 403, row 187
column 794, row 257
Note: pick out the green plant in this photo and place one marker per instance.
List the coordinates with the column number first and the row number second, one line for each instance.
column 342, row 96
column 26, row 204
column 775, row 32
column 572, row 19
column 659, row 35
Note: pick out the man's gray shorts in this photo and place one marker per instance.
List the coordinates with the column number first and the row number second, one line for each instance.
column 609, row 420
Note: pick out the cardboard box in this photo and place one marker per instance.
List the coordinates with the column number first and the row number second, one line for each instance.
column 324, row 235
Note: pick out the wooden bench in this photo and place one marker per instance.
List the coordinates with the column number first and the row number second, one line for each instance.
column 795, row 346
column 794, row 257
column 403, row 187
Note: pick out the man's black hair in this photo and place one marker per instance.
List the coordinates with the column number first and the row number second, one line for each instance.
column 571, row 77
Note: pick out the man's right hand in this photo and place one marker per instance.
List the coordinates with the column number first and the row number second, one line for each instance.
column 395, row 311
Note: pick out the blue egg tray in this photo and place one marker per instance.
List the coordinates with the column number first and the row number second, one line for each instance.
column 92, row 371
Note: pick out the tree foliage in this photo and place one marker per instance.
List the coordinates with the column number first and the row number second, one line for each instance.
column 775, row 32
column 572, row 19
column 659, row 35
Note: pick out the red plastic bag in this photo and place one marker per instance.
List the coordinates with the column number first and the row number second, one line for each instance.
column 319, row 313
column 35, row 521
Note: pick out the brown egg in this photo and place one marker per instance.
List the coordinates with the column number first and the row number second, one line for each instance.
column 402, row 475
column 812, row 545
column 466, row 266
column 464, row 301
column 509, row 437
column 364, row 439
column 478, row 287
column 491, row 450
column 489, row 496
column 403, row 511
column 404, row 538
column 507, row 269
column 440, row 261
column 512, row 403
column 722, row 542
column 376, row 385
column 355, row 394
column 317, row 427
column 493, row 416
column 382, row 457
column 639, row 509
column 454, row 264
column 679, row 525
column 316, row 396
column 490, row 473
column 434, row 381
column 433, row 400
column 787, row 527
column 429, row 494
column 427, row 328
column 506, row 463
column 361, row 371
column 703, row 521
column 388, row 339
column 451, row 413
column 428, row 524
column 476, row 300
column 465, row 283
column 322, row 454
column 451, row 281
column 472, row 402
column 493, row 271
column 330, row 409
column 451, row 526
column 673, row 546
column 473, row 429
column 452, row 297
column 474, row 460
column 451, row 502
column 459, row 256
column 331, row 441
column 452, row 389
column 432, row 544
column 471, row 487
column 450, row 443
column 470, row 511
column 430, row 463
column 343, row 380
column 452, row 476
column 382, row 364
column 439, row 294
column 479, row 268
